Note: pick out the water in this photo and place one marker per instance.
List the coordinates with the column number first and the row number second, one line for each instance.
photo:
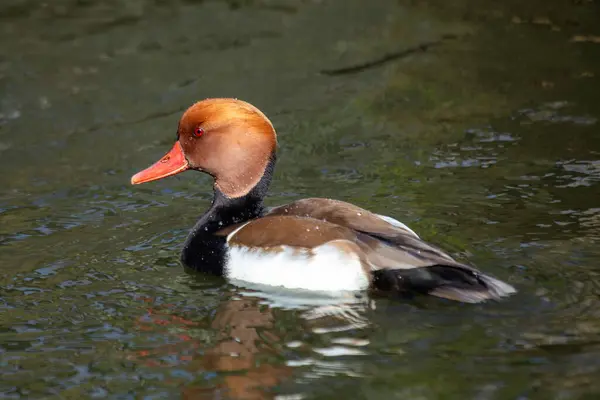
column 485, row 143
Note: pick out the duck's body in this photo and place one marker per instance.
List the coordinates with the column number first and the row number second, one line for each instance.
column 313, row 244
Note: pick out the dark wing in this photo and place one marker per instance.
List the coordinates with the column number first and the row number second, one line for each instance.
column 344, row 214
column 398, row 258
column 360, row 220
column 286, row 230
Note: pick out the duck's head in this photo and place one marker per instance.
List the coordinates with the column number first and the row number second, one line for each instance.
column 227, row 138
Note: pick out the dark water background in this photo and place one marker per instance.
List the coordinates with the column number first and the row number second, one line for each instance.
column 485, row 139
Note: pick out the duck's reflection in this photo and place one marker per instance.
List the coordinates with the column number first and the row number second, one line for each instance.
column 250, row 346
column 244, row 332
column 258, row 343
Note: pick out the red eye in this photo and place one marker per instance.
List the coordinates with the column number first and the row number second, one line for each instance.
column 198, row 132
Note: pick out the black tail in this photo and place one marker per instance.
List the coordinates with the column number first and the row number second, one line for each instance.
column 444, row 281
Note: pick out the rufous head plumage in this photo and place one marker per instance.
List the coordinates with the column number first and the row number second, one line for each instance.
column 229, row 139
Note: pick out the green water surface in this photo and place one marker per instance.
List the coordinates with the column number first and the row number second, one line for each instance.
column 484, row 138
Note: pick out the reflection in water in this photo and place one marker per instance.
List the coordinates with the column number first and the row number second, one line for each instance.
column 248, row 355
column 245, row 336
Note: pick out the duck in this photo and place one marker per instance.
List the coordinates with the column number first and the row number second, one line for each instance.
column 313, row 244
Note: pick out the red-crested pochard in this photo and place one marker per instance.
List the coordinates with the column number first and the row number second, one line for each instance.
column 312, row 244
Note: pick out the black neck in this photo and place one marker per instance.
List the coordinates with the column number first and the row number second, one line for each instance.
column 205, row 251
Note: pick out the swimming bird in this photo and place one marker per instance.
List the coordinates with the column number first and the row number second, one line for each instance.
column 316, row 244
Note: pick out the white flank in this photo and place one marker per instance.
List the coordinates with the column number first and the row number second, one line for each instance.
column 397, row 223
column 326, row 268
